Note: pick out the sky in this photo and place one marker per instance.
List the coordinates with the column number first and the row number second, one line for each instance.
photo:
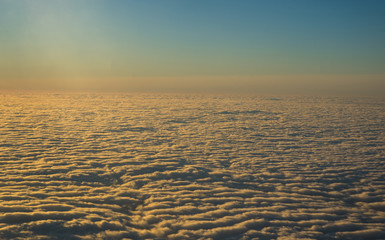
column 259, row 46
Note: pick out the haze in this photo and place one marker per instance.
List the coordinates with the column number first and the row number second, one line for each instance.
column 244, row 46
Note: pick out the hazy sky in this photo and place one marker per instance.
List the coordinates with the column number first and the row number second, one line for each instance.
column 254, row 45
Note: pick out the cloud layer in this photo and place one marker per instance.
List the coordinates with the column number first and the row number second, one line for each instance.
column 137, row 166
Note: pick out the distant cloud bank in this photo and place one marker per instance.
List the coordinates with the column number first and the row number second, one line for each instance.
column 364, row 85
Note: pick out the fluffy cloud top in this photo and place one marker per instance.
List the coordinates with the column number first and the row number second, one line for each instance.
column 137, row 166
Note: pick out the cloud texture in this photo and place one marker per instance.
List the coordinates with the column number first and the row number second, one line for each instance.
column 145, row 166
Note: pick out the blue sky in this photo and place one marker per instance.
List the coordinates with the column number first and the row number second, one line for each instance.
column 92, row 39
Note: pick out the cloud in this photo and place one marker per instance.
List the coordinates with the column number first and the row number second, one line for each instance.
column 137, row 166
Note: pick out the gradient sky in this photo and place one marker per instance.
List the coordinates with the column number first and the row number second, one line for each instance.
column 263, row 45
